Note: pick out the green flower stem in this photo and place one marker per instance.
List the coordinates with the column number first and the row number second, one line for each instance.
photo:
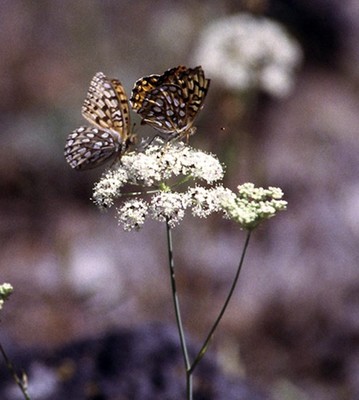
column 204, row 347
column 22, row 383
column 182, row 181
column 178, row 314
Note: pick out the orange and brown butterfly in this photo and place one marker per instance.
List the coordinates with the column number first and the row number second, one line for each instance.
column 106, row 108
column 170, row 102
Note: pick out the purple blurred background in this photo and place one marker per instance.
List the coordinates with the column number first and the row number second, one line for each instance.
column 293, row 325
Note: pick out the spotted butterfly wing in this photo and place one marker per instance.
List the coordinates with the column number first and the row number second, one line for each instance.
column 194, row 87
column 165, row 109
column 142, row 87
column 88, row 147
column 146, row 84
column 106, row 107
column 170, row 102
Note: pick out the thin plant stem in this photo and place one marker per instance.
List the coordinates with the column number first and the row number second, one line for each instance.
column 21, row 382
column 189, row 386
column 142, row 193
column 204, row 347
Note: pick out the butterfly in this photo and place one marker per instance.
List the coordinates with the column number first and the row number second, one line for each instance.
column 170, row 102
column 106, row 108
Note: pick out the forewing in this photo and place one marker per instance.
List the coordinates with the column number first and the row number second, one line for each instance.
column 140, row 90
column 194, row 87
column 106, row 105
column 90, row 147
column 171, row 101
column 146, row 84
column 164, row 109
column 121, row 114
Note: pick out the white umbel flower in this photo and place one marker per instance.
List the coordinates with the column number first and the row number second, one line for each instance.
column 206, row 201
column 157, row 171
column 5, row 291
column 253, row 205
column 109, row 188
column 132, row 214
column 169, row 206
column 247, row 52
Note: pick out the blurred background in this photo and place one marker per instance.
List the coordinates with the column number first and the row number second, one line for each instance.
column 282, row 110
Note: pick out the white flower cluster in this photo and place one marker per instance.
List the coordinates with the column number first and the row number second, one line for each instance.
column 249, row 52
column 5, row 291
column 171, row 206
column 253, row 205
column 155, row 171
column 132, row 214
column 207, row 201
column 156, row 165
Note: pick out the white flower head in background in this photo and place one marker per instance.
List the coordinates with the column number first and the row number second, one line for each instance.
column 247, row 52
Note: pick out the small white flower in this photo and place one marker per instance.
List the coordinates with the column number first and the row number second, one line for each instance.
column 206, row 201
column 206, row 167
column 142, row 168
column 153, row 168
column 169, row 206
column 5, row 291
column 108, row 188
column 132, row 214
column 248, row 52
column 276, row 193
column 181, row 159
column 253, row 205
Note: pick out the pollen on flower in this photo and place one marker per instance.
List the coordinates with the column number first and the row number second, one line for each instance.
column 169, row 206
column 132, row 214
column 253, row 205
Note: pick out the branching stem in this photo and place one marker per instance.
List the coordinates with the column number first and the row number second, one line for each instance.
column 188, row 366
column 21, row 382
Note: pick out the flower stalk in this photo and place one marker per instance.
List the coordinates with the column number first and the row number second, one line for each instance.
column 190, row 367
column 5, row 291
column 160, row 172
column 176, row 305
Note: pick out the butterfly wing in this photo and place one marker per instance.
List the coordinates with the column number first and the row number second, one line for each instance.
column 164, row 109
column 106, row 105
column 141, row 88
column 170, row 102
column 195, row 87
column 88, row 147
column 144, row 85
